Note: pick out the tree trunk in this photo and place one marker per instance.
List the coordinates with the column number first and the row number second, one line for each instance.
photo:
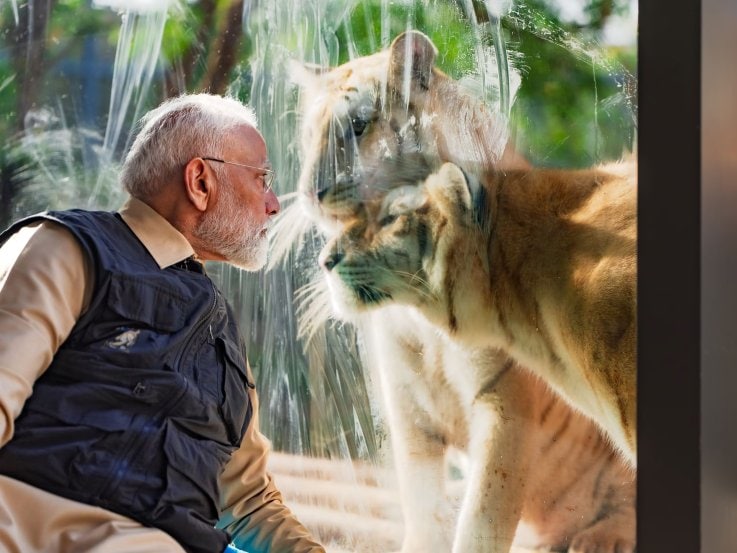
column 224, row 50
column 180, row 78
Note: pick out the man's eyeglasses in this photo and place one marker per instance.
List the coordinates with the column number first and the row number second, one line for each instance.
column 267, row 176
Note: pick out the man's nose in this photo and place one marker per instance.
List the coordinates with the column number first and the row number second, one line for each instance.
column 272, row 203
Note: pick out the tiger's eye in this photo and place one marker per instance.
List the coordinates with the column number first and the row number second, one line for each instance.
column 387, row 220
column 359, row 125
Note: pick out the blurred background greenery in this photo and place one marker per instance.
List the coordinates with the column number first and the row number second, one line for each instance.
column 76, row 74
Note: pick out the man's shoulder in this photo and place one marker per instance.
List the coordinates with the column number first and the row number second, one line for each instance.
column 39, row 233
column 82, row 216
column 44, row 247
column 61, row 219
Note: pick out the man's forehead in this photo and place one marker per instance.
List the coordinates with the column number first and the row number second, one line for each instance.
column 246, row 140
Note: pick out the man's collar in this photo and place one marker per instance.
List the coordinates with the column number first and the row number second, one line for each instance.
column 165, row 243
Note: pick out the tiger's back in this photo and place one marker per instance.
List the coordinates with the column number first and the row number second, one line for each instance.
column 563, row 247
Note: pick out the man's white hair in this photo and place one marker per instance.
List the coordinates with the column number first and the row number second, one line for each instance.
column 180, row 129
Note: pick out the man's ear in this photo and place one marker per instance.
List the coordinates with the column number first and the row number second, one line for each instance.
column 199, row 183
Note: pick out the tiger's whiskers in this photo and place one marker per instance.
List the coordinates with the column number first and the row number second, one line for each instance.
column 313, row 308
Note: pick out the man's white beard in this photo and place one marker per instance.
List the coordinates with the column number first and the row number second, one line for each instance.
column 230, row 232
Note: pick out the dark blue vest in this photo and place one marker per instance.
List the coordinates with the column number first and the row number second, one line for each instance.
column 146, row 400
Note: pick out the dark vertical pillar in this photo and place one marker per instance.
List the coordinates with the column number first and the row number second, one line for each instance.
column 669, row 276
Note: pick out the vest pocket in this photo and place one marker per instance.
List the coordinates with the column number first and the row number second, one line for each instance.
column 192, row 469
column 154, row 306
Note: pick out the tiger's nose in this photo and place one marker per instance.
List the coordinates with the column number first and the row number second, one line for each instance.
column 330, row 261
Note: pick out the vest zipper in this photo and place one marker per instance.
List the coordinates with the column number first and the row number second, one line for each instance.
column 195, row 330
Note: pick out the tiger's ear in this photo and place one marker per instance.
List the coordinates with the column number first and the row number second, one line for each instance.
column 411, row 60
column 306, row 75
column 456, row 194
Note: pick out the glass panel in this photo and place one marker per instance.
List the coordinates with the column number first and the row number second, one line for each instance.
column 444, row 353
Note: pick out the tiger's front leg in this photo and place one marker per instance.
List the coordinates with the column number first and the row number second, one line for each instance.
column 420, row 471
column 499, row 454
column 418, row 445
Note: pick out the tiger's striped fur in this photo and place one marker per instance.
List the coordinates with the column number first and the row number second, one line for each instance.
column 540, row 263
column 538, row 473
column 367, row 134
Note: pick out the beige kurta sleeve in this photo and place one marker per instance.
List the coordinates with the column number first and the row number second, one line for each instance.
column 43, row 288
column 253, row 511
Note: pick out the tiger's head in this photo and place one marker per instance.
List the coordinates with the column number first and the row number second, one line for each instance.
column 418, row 247
column 386, row 121
column 379, row 123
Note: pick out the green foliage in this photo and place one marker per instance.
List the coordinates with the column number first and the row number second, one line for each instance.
column 197, row 44
column 576, row 105
column 570, row 112
column 180, row 33
column 62, row 40
column 443, row 22
column 72, row 19
column 8, row 94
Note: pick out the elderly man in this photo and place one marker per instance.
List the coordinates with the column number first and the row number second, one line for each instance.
column 128, row 412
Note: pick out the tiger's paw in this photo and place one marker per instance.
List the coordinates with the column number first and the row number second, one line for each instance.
column 606, row 536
